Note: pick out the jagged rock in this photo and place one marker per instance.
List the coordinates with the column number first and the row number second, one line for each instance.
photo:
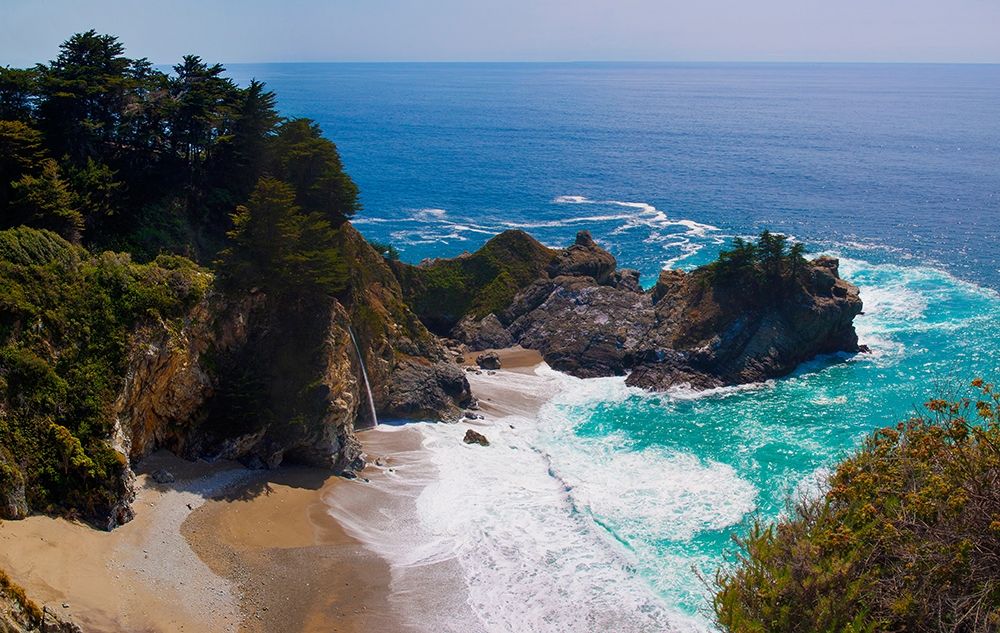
column 586, row 329
column 626, row 279
column 589, row 319
column 722, row 334
column 485, row 333
column 428, row 391
column 162, row 476
column 472, row 415
column 583, row 259
column 488, row 360
column 472, row 437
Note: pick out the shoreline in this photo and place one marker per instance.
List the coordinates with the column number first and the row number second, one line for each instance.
column 296, row 549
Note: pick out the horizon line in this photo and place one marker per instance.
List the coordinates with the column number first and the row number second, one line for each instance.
column 16, row 64
column 615, row 61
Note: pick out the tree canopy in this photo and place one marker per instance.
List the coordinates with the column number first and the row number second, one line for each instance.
column 769, row 263
column 154, row 161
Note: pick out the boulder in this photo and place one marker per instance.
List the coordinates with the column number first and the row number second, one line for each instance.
column 162, row 476
column 419, row 390
column 488, row 360
column 584, row 259
column 486, row 333
column 472, row 437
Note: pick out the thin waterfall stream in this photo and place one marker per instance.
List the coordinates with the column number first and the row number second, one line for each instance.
column 364, row 374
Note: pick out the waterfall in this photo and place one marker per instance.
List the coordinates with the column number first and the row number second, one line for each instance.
column 364, row 374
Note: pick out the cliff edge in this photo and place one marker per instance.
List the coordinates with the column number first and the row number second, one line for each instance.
column 757, row 313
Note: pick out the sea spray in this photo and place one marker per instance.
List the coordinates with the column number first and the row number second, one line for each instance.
column 364, row 375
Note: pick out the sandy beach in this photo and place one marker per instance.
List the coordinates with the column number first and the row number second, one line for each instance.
column 228, row 549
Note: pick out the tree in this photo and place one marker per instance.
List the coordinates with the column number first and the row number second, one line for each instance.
column 243, row 151
column 82, row 95
column 311, row 164
column 771, row 253
column 21, row 153
column 739, row 260
column 279, row 248
column 45, row 201
column 204, row 103
column 796, row 258
column 18, row 90
column 96, row 191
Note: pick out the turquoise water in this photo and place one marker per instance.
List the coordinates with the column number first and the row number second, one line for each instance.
column 756, row 447
column 893, row 168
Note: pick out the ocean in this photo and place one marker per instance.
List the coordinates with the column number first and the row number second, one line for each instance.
column 620, row 500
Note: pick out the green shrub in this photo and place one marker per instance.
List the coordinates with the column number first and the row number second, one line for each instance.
column 65, row 322
column 906, row 537
column 441, row 292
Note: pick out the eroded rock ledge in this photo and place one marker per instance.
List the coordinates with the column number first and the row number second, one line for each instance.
column 589, row 318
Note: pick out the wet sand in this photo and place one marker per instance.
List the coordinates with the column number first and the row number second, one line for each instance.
column 228, row 549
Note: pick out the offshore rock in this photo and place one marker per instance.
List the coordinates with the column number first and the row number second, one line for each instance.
column 588, row 318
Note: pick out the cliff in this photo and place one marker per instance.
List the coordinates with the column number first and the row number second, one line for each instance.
column 707, row 328
column 105, row 361
column 20, row 614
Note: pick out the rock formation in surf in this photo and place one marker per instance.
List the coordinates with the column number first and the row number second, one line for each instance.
column 729, row 323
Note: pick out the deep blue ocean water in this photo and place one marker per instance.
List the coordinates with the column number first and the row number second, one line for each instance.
column 894, row 168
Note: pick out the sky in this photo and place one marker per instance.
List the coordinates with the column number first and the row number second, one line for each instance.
column 514, row 30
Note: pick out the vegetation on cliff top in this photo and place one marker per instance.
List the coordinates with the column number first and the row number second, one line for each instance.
column 108, row 151
column 442, row 291
column 768, row 264
column 906, row 537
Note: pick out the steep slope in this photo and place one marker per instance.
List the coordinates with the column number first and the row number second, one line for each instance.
column 105, row 361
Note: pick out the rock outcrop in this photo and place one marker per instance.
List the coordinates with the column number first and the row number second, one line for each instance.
column 702, row 329
column 264, row 380
column 488, row 360
column 724, row 333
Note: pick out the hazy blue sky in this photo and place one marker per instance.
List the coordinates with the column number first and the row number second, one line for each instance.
column 332, row 30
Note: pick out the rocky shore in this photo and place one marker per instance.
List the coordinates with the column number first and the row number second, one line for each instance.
column 588, row 318
column 243, row 385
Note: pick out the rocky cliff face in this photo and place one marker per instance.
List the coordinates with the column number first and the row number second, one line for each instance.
column 251, row 380
column 589, row 318
column 264, row 381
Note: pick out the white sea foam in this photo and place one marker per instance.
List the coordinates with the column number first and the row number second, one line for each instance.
column 532, row 560
column 429, row 215
column 533, row 526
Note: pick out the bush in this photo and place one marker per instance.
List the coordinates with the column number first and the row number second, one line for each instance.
column 906, row 537
column 65, row 321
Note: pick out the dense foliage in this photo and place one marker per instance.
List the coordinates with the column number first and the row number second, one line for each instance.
column 769, row 263
column 65, row 323
column 906, row 538
column 442, row 291
column 97, row 151
column 109, row 150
